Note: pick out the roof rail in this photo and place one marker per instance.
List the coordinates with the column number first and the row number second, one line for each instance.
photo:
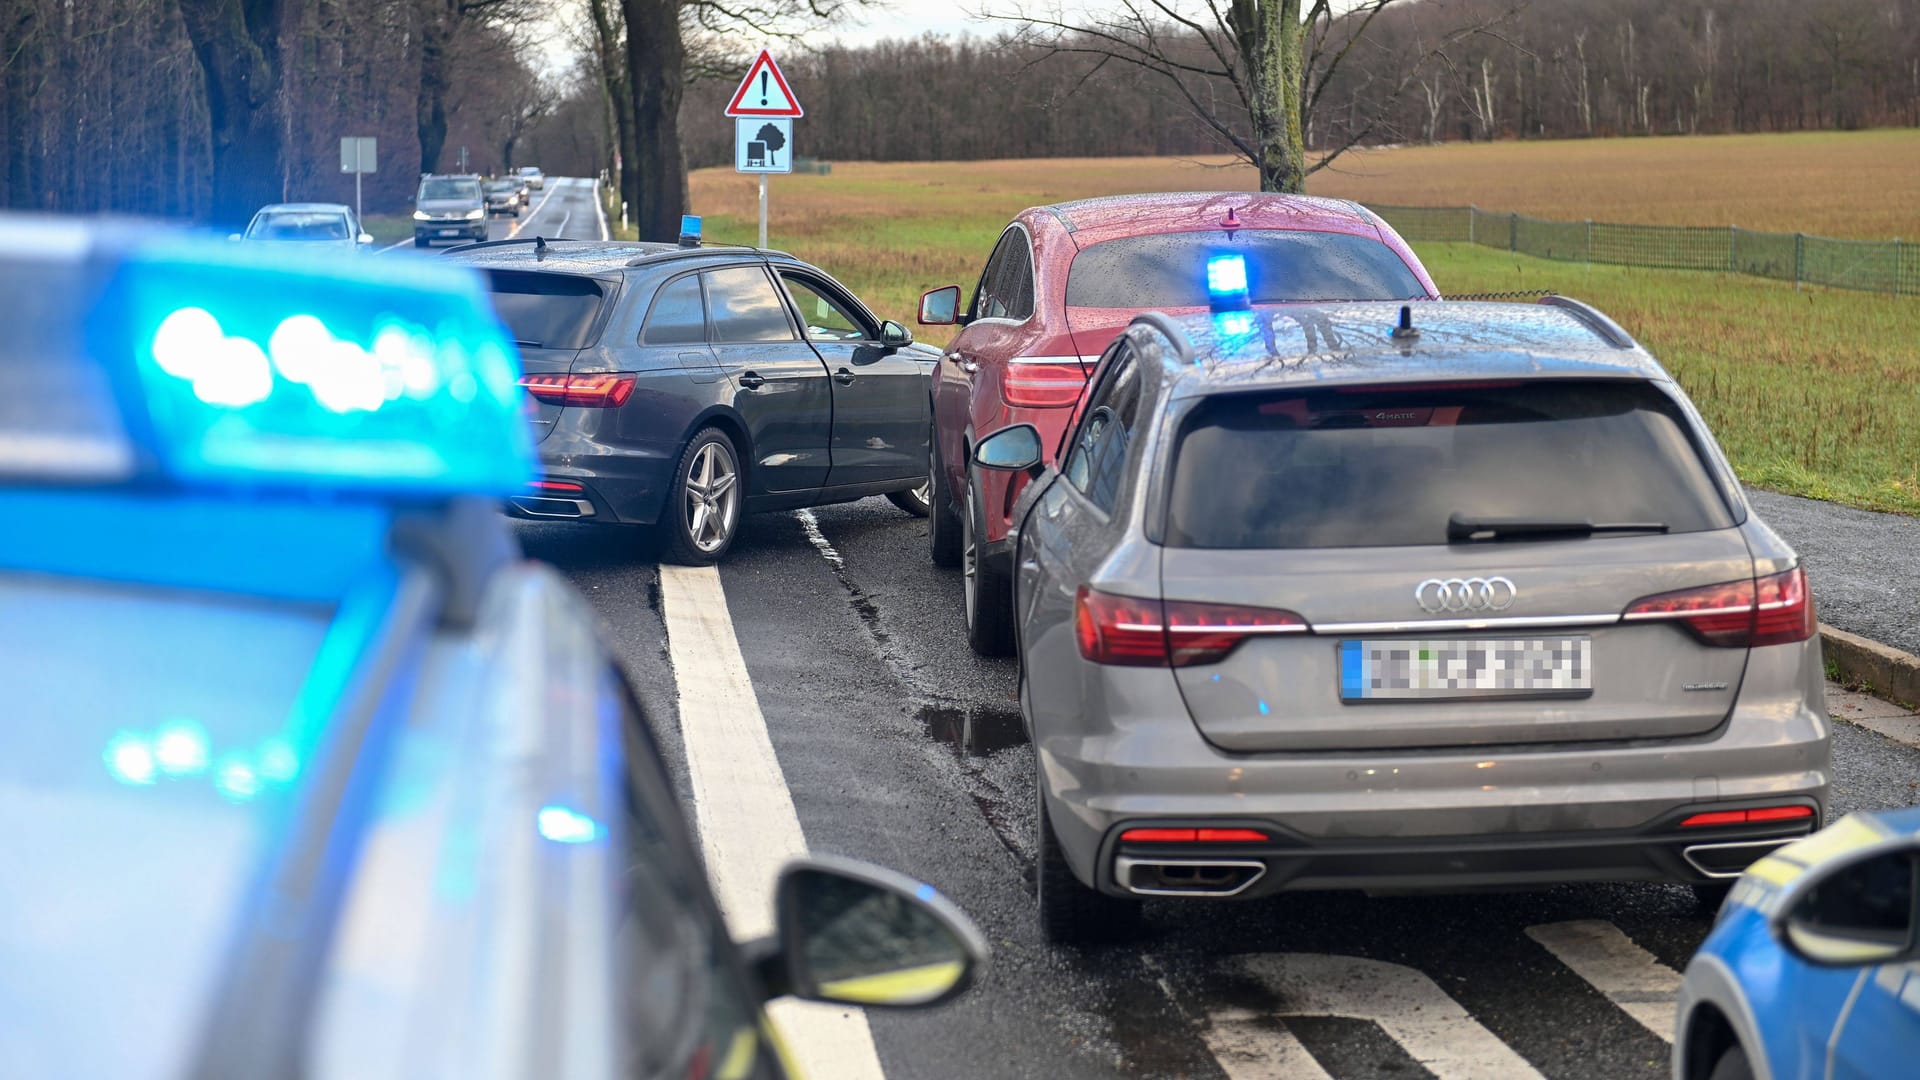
column 1614, row 334
column 676, row 252
column 509, row 241
column 1166, row 324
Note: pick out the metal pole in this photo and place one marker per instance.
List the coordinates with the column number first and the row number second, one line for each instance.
column 763, row 209
column 359, row 167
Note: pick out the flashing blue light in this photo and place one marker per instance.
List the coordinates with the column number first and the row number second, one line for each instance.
column 925, row 893
column 236, row 779
column 1234, row 325
column 690, row 226
column 180, row 747
column 129, row 758
column 565, row 826
column 1265, row 709
column 362, row 374
column 1227, row 282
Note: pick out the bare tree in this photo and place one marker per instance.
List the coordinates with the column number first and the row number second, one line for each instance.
column 441, row 23
column 238, row 45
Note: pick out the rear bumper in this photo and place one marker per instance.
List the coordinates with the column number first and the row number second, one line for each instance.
column 467, row 230
column 622, row 489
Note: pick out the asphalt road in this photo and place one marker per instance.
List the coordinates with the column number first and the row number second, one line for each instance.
column 898, row 746
column 563, row 208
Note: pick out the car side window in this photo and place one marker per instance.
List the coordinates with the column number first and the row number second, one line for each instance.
column 1014, row 285
column 826, row 317
column 744, row 306
column 1097, row 459
column 985, row 305
column 684, row 1002
column 678, row 316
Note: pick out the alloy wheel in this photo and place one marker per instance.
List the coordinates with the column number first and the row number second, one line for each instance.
column 713, row 497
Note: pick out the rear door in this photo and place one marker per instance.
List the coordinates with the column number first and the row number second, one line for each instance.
column 879, row 393
column 552, row 317
column 1335, row 505
column 781, row 387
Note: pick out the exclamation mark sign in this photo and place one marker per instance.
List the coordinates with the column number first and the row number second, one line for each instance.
column 763, row 89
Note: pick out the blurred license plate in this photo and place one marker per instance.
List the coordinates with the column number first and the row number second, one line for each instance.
column 449, row 232
column 1455, row 668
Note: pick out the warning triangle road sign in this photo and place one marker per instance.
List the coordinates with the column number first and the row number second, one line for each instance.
column 764, row 92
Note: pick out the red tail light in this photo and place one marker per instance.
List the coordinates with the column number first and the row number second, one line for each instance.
column 1745, row 817
column 1130, row 632
column 1042, row 384
column 559, row 485
column 1773, row 610
column 580, row 391
column 1191, row 836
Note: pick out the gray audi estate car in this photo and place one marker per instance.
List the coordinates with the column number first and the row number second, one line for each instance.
column 1441, row 595
column 684, row 386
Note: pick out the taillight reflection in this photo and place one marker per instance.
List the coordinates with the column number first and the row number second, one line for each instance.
column 1133, row 632
column 1773, row 610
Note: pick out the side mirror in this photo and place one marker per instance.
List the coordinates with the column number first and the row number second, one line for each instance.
column 1854, row 913
column 895, row 336
column 1011, row 449
column 854, row 934
column 364, row 238
column 941, row 307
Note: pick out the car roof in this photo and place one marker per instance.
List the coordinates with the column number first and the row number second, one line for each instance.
column 307, row 208
column 593, row 256
column 1091, row 221
column 1317, row 344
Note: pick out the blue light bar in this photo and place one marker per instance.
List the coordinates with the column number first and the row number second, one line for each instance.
column 263, row 369
column 1227, row 282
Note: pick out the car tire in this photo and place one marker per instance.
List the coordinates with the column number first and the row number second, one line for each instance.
column 694, row 538
column 1070, row 912
column 1711, row 895
column 944, row 540
column 1733, row 1065
column 916, row 502
column 987, row 592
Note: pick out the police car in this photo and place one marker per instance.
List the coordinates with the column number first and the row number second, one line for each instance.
column 307, row 771
column 1813, row 967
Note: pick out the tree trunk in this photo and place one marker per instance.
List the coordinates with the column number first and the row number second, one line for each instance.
column 656, row 63
column 1268, row 36
column 238, row 47
column 614, row 86
column 436, row 77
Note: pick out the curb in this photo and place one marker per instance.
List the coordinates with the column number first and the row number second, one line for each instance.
column 1884, row 671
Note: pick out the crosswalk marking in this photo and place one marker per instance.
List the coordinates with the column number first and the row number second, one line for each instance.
column 742, row 807
column 1627, row 974
column 1410, row 1007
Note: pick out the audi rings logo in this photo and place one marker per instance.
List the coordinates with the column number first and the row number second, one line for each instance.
column 1436, row 595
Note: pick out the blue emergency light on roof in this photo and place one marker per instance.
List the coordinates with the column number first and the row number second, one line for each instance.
column 1227, row 282
column 265, row 370
column 689, row 230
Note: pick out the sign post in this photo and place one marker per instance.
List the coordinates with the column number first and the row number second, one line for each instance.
column 763, row 110
column 357, row 157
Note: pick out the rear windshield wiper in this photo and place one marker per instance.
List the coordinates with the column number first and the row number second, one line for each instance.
column 1464, row 529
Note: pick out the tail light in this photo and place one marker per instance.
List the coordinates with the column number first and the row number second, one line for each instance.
column 580, row 391
column 1194, row 836
column 1042, row 383
column 1126, row 631
column 1773, row 610
column 1747, row 817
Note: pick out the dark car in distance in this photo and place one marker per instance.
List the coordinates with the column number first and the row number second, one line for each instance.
column 686, row 386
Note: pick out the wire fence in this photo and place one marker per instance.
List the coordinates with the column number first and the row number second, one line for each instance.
column 1867, row 265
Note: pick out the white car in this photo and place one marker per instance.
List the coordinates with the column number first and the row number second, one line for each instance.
column 533, row 176
column 318, row 225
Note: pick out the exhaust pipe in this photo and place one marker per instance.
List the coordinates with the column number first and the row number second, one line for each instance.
column 1187, row 877
column 541, row 506
column 1731, row 859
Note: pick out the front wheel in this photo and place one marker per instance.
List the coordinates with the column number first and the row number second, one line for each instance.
column 944, row 540
column 916, row 502
column 987, row 592
column 704, row 507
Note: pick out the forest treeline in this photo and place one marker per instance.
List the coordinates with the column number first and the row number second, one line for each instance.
column 105, row 104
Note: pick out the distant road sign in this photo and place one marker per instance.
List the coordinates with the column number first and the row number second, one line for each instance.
column 764, row 92
column 357, row 154
column 763, row 145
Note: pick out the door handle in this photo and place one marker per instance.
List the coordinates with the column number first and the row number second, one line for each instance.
column 843, row 377
column 752, row 380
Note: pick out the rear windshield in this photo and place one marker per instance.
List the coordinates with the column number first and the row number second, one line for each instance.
column 1170, row 270
column 298, row 226
column 449, row 189
column 547, row 311
column 1389, row 467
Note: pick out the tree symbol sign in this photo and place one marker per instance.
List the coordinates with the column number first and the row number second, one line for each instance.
column 771, row 135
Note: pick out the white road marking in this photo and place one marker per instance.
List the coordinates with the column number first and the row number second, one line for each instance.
column 747, row 823
column 600, row 211
column 533, row 213
column 811, row 525
column 1249, row 1047
column 1430, row 1026
column 1627, row 974
column 396, row 244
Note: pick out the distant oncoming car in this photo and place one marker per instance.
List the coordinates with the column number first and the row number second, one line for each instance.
column 1062, row 281
column 449, row 208
column 390, row 805
column 1435, row 595
column 503, row 196
column 532, row 175
column 687, row 386
column 1813, row 967
column 310, row 225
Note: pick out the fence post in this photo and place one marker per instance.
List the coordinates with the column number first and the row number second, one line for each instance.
column 1473, row 215
column 1799, row 259
column 1895, row 290
column 1589, row 241
column 1513, row 231
column 1733, row 240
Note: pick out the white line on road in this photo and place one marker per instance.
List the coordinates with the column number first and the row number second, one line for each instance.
column 1410, row 1007
column 747, row 823
column 600, row 211
column 1627, row 974
column 1249, row 1047
column 533, row 213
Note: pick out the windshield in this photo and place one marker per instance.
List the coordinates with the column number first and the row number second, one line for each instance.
column 495, row 187
column 299, row 226
column 1385, row 467
column 1169, row 270
column 449, row 188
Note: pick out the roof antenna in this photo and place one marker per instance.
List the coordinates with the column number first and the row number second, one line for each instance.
column 1406, row 329
column 1231, row 222
column 539, row 247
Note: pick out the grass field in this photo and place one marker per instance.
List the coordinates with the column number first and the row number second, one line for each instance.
column 1813, row 392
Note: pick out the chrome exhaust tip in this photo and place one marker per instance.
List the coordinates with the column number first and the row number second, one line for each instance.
column 541, row 506
column 1187, row 877
column 1731, row 859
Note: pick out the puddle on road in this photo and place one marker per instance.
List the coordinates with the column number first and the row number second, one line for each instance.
column 975, row 731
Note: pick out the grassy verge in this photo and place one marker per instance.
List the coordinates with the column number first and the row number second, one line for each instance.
column 388, row 229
